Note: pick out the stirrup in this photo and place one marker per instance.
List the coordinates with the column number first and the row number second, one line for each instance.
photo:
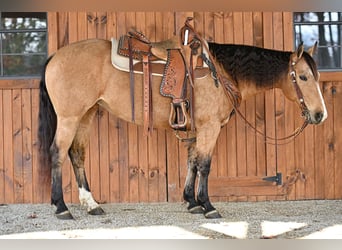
column 178, row 116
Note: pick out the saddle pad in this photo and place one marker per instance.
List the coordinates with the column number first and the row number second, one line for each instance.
column 122, row 62
column 157, row 67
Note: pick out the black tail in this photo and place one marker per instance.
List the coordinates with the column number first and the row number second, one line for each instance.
column 46, row 129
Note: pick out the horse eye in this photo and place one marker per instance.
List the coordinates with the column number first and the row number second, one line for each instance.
column 303, row 78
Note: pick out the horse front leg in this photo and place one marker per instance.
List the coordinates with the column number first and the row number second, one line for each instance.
column 189, row 188
column 199, row 161
column 202, row 195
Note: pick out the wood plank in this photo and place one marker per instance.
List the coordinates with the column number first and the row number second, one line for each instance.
column 251, row 157
column 228, row 23
column 243, row 187
column 123, row 162
column 63, row 33
column 231, row 126
column 94, row 158
column 8, row 146
column 312, row 178
column 17, row 147
column 41, row 192
column 135, row 169
column 289, row 149
column 327, row 136
column 27, row 145
column 240, row 124
column 72, row 27
column 150, row 23
column 31, row 83
column 123, row 132
column 320, row 145
column 52, row 32
column 326, row 76
column 111, row 25
column 82, row 26
column 114, row 171
column 174, row 189
column 278, row 43
column 104, row 155
column 259, row 104
column 338, row 138
column 144, row 173
column 133, row 137
column 257, row 29
column 2, row 142
column 162, row 164
column 154, row 169
column 91, row 25
column 199, row 22
column 269, row 98
column 101, row 26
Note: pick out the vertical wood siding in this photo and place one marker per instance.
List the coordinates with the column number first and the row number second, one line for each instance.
column 125, row 166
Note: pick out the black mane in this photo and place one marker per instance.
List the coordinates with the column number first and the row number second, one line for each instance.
column 243, row 62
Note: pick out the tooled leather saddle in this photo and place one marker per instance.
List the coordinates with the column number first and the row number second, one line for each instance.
column 178, row 73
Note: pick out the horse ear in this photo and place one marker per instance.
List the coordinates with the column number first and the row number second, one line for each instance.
column 160, row 53
column 313, row 49
column 298, row 53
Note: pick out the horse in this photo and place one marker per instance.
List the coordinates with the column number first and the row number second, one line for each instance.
column 80, row 77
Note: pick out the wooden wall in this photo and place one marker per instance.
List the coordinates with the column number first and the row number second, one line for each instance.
column 124, row 166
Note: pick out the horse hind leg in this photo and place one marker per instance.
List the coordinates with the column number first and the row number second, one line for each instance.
column 77, row 157
column 64, row 135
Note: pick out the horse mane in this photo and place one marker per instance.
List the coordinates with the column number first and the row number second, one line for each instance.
column 254, row 64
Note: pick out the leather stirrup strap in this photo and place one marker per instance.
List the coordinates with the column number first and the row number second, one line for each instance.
column 147, row 96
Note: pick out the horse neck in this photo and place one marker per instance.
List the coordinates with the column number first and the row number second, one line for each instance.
column 249, row 89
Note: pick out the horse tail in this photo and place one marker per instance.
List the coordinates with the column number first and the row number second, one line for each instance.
column 46, row 129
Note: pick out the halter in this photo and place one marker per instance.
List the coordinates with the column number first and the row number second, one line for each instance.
column 299, row 93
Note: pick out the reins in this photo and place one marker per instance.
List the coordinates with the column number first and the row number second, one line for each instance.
column 232, row 98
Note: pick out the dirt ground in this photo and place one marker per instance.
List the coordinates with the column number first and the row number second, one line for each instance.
column 318, row 219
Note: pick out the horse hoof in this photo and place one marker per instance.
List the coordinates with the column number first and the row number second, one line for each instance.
column 196, row 210
column 212, row 215
column 96, row 211
column 66, row 215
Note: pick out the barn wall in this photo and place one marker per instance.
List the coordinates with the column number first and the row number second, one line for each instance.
column 125, row 166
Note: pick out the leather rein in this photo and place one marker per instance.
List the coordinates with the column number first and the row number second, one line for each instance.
column 232, row 98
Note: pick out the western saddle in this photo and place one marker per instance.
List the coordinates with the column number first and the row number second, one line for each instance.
column 182, row 62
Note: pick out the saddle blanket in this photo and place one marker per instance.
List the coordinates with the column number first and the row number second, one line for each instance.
column 157, row 67
column 122, row 62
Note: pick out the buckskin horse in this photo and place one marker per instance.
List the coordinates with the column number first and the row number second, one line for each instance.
column 80, row 76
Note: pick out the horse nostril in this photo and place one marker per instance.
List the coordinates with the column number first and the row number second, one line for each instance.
column 318, row 116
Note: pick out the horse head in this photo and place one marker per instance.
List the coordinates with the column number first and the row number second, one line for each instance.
column 303, row 85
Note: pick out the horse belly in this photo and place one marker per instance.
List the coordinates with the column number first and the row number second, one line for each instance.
column 117, row 99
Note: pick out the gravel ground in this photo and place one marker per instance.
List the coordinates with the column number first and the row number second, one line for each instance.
column 241, row 220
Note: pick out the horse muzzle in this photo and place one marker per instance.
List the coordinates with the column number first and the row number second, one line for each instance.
column 314, row 117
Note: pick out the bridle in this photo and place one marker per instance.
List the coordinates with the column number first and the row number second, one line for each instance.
column 303, row 107
column 235, row 100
